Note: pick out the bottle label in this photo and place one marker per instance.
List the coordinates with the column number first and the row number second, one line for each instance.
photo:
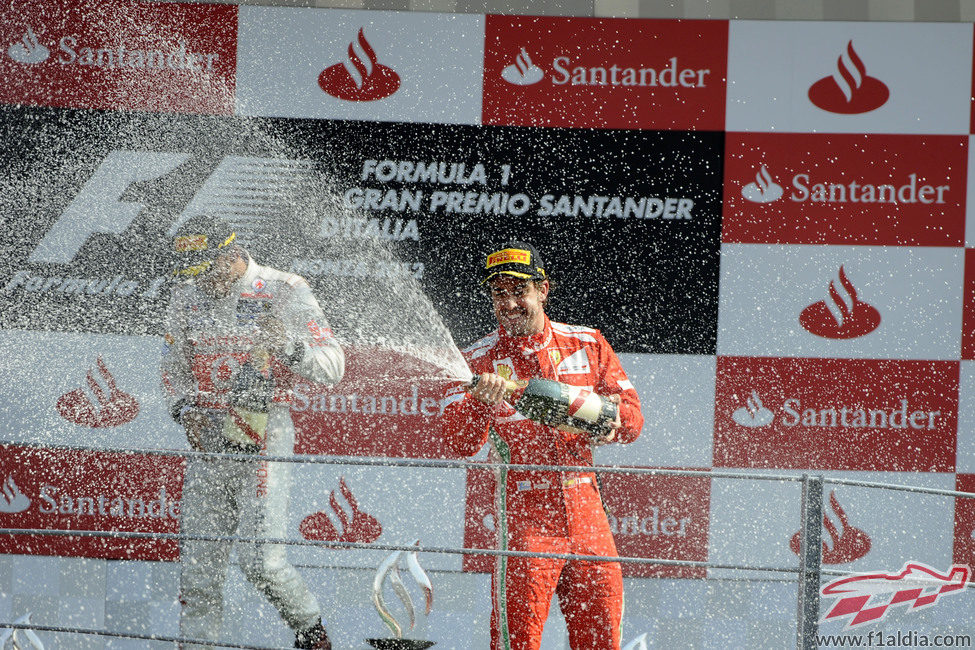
column 244, row 427
column 571, row 408
column 584, row 404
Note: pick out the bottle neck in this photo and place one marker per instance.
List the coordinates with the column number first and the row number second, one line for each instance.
column 513, row 388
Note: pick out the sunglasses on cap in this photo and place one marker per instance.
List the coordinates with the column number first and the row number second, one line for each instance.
column 195, row 258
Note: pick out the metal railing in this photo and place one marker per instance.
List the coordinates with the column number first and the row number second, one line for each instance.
column 809, row 571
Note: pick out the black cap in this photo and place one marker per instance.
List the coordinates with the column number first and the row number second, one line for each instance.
column 197, row 243
column 517, row 259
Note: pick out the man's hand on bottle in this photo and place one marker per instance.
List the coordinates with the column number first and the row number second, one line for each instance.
column 609, row 435
column 271, row 334
column 195, row 421
column 490, row 389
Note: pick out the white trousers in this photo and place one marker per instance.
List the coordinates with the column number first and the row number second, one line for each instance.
column 249, row 498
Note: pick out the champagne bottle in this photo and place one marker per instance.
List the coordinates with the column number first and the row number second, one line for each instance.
column 555, row 404
column 250, row 401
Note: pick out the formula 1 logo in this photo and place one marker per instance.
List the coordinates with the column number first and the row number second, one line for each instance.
column 867, row 598
column 99, row 206
column 849, row 90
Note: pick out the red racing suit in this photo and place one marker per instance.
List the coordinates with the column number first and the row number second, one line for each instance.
column 546, row 511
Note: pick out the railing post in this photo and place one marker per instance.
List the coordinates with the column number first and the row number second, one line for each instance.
column 810, row 560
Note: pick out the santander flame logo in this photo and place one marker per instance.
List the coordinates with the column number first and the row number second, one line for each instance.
column 764, row 189
column 843, row 316
column 916, row 584
column 522, row 72
column 849, row 90
column 110, row 407
column 12, row 500
column 359, row 527
column 848, row 543
column 28, row 49
column 754, row 413
column 360, row 78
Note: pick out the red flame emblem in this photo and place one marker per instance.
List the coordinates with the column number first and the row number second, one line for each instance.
column 849, row 543
column 361, row 78
column 110, row 408
column 849, row 90
column 360, row 527
column 852, row 317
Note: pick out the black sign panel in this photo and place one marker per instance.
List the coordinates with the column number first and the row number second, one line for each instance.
column 628, row 222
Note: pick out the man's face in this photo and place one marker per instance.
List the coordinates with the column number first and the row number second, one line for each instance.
column 223, row 272
column 519, row 305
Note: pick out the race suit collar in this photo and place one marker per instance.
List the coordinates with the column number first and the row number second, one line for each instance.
column 534, row 342
column 245, row 281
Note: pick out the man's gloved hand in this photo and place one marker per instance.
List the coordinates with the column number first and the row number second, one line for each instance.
column 490, row 389
column 609, row 435
column 271, row 335
column 195, row 422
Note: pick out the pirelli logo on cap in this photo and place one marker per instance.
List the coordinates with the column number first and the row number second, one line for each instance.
column 188, row 243
column 508, row 256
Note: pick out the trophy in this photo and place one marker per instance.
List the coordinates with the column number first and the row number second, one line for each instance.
column 9, row 636
column 390, row 568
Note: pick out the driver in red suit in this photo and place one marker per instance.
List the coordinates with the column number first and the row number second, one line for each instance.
column 543, row 511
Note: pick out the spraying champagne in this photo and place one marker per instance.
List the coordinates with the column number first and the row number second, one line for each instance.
column 555, row 404
column 250, row 401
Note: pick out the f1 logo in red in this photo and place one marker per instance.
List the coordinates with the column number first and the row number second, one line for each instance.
column 866, row 598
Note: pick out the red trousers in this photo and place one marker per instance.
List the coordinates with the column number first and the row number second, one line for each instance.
column 590, row 593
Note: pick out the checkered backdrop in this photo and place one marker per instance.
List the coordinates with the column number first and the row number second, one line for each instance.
column 767, row 220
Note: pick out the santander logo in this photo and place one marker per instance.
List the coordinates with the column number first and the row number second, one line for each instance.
column 78, row 49
column 28, row 49
column 831, row 416
column 359, row 527
column 360, row 78
column 110, row 407
column 843, row 315
column 754, row 413
column 848, row 543
column 805, row 188
column 849, row 90
column 763, row 189
column 12, row 500
column 522, row 72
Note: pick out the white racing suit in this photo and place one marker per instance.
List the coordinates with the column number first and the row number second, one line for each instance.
column 206, row 342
